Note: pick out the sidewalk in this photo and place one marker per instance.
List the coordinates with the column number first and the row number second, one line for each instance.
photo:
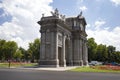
column 51, row 69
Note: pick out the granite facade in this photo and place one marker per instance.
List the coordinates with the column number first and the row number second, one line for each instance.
column 63, row 41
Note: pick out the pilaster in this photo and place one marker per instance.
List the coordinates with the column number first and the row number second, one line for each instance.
column 56, row 49
column 63, row 51
column 53, row 45
column 85, row 54
column 81, row 60
column 76, row 53
column 70, row 53
column 42, row 47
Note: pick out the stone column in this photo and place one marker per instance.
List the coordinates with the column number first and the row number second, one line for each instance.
column 86, row 54
column 83, row 51
column 70, row 53
column 52, row 46
column 56, row 50
column 81, row 61
column 42, row 47
column 63, row 51
column 76, row 53
column 85, row 61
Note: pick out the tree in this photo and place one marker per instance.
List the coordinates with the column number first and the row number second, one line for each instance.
column 25, row 55
column 37, row 48
column 10, row 48
column 18, row 55
column 2, row 43
column 111, row 50
column 117, row 56
column 101, row 53
column 92, row 45
column 34, row 49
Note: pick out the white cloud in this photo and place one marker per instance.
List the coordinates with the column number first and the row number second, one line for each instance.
column 83, row 8
column 104, row 36
column 0, row 5
column 88, row 25
column 23, row 27
column 80, row 5
column 99, row 23
column 116, row 2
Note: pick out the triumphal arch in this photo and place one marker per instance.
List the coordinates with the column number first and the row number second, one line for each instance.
column 63, row 41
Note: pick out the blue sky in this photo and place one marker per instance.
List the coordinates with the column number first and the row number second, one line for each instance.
column 95, row 10
column 18, row 19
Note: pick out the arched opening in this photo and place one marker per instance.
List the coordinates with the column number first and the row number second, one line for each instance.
column 67, row 52
column 60, row 56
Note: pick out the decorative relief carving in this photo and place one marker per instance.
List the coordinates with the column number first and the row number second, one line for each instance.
column 60, row 40
column 55, row 13
column 58, row 15
column 48, row 36
column 80, row 15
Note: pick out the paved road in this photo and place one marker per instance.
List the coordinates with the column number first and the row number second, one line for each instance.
column 21, row 74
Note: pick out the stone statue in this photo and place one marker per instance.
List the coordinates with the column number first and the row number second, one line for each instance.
column 80, row 14
column 62, row 17
column 42, row 15
column 55, row 13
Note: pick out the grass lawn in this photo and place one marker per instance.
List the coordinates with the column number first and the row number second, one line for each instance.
column 6, row 65
column 96, row 69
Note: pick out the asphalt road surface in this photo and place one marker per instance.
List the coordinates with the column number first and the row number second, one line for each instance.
column 23, row 74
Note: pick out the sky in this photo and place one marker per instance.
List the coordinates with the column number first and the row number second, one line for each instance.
column 18, row 18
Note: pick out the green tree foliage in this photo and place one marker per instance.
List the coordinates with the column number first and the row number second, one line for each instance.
column 92, row 45
column 101, row 53
column 34, row 49
column 2, row 51
column 10, row 48
column 117, row 56
column 111, row 52
column 18, row 55
column 25, row 54
column 7, row 49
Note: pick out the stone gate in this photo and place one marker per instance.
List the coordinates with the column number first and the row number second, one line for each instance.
column 63, row 41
